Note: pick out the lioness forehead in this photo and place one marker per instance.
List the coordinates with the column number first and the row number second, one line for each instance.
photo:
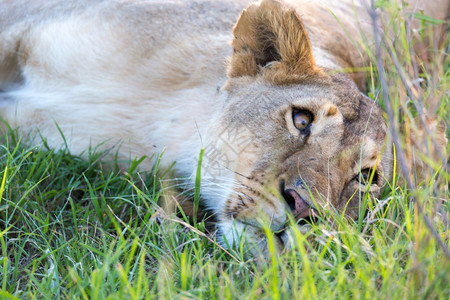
column 259, row 98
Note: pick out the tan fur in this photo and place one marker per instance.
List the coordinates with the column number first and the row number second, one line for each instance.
column 142, row 77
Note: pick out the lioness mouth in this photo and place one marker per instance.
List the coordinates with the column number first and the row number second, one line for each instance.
column 303, row 213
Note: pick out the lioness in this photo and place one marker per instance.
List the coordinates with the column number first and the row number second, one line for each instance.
column 283, row 131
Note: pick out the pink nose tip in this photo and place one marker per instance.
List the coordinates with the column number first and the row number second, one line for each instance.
column 300, row 209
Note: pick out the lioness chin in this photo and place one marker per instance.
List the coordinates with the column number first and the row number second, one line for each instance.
column 283, row 132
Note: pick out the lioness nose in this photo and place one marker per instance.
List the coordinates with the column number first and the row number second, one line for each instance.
column 300, row 208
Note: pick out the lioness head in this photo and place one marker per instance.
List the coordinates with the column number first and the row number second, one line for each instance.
column 292, row 138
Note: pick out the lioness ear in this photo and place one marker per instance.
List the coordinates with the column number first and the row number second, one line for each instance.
column 270, row 39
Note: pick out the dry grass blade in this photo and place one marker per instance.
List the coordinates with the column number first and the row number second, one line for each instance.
column 395, row 137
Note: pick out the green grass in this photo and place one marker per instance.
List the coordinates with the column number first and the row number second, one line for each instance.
column 70, row 229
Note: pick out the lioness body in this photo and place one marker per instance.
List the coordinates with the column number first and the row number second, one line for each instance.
column 151, row 57
column 151, row 76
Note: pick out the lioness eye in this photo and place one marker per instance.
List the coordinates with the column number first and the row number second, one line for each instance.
column 364, row 176
column 301, row 118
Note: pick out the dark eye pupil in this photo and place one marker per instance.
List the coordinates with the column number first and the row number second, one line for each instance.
column 302, row 119
column 364, row 176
